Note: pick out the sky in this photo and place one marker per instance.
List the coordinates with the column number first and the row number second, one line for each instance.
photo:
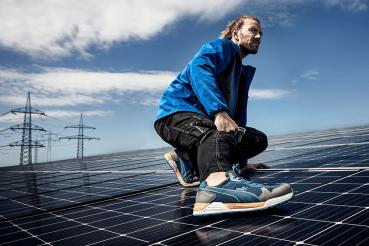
column 112, row 60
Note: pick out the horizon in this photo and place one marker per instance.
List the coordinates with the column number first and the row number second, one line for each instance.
column 168, row 146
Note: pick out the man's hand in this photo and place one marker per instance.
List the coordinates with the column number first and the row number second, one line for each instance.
column 251, row 168
column 224, row 122
column 256, row 166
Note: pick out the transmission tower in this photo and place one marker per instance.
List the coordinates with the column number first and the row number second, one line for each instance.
column 80, row 137
column 35, row 158
column 49, row 139
column 27, row 127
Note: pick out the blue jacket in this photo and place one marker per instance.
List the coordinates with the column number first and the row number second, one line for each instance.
column 214, row 80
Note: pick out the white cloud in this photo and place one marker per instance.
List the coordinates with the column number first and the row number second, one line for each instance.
column 55, row 29
column 268, row 93
column 351, row 5
column 74, row 114
column 66, row 100
column 56, row 113
column 310, row 75
column 71, row 80
column 71, row 87
column 14, row 118
column 59, row 28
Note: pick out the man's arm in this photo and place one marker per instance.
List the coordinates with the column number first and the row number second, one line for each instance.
column 204, row 67
column 202, row 74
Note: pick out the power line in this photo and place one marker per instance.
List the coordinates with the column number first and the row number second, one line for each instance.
column 41, row 122
column 4, row 146
column 80, row 137
column 63, row 121
column 63, row 145
column 3, row 130
column 52, row 125
column 7, row 134
column 57, row 133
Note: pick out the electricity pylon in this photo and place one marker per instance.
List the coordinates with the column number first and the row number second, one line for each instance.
column 35, row 158
column 49, row 139
column 80, row 137
column 27, row 127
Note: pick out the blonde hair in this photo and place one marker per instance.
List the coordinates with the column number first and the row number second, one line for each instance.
column 235, row 25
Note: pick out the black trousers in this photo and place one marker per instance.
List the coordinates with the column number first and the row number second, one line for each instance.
column 209, row 149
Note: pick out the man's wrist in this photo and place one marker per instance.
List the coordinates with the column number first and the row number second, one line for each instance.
column 221, row 113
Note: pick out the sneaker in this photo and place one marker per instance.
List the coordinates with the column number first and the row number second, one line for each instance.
column 182, row 168
column 237, row 194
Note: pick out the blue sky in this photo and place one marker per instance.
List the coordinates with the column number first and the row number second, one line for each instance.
column 111, row 60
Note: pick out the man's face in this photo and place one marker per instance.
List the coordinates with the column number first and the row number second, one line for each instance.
column 248, row 37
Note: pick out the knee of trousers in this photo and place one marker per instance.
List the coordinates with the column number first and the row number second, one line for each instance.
column 217, row 148
column 263, row 140
column 258, row 138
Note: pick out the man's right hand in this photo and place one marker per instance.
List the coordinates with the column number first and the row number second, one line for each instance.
column 224, row 122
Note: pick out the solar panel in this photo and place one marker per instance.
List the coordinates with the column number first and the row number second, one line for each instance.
column 133, row 198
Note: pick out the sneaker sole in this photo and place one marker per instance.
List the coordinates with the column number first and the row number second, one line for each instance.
column 173, row 166
column 201, row 209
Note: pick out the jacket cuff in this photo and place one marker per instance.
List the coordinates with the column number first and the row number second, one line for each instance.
column 212, row 115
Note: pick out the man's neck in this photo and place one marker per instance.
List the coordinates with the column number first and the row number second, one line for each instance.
column 243, row 53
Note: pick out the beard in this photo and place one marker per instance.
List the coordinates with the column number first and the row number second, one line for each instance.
column 249, row 49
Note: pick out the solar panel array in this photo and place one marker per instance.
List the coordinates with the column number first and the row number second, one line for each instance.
column 133, row 198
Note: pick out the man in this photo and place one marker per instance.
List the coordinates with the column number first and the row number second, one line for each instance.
column 203, row 115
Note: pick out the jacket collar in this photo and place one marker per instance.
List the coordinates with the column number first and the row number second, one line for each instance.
column 234, row 46
column 249, row 71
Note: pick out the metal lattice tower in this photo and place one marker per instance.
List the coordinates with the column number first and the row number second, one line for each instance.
column 35, row 158
column 49, row 139
column 80, row 144
column 27, row 127
column 80, row 137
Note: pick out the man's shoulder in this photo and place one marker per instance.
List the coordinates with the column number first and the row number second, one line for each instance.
column 224, row 48
column 222, row 43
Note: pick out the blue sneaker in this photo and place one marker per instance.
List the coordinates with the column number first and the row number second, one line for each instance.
column 182, row 168
column 237, row 194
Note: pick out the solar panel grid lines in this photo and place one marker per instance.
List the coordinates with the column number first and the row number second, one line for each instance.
column 324, row 202
column 185, row 239
column 112, row 199
column 111, row 166
column 317, row 135
column 31, row 235
column 334, row 181
column 90, row 196
column 312, row 140
column 327, row 169
column 314, row 235
column 273, row 157
column 321, row 158
column 78, row 164
column 40, row 188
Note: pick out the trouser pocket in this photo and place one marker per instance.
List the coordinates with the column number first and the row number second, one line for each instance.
column 184, row 129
